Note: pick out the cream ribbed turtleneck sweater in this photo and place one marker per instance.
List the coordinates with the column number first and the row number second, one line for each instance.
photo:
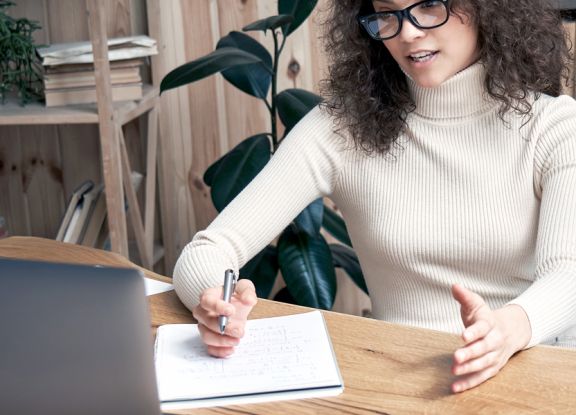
column 464, row 199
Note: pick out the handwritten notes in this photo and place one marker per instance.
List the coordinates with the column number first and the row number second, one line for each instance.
column 279, row 358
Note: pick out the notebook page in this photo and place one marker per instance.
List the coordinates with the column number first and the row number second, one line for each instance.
column 152, row 286
column 277, row 354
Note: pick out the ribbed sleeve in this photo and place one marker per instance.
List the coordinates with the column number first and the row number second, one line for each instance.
column 304, row 168
column 551, row 301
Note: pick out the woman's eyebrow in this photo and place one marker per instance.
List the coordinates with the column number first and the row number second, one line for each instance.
column 386, row 2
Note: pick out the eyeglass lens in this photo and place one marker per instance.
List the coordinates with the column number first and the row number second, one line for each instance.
column 425, row 15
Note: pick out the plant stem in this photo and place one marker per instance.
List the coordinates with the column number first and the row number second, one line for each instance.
column 274, row 89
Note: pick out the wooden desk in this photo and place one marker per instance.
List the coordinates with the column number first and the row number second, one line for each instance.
column 387, row 369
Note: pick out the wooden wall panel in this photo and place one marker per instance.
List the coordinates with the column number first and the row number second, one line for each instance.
column 41, row 176
column 570, row 28
column 183, row 32
column 245, row 114
column 67, row 21
column 12, row 197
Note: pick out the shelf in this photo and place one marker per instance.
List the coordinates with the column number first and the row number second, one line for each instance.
column 12, row 113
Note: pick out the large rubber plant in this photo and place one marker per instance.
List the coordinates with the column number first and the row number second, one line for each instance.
column 302, row 254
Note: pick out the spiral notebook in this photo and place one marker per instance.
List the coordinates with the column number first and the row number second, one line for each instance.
column 288, row 357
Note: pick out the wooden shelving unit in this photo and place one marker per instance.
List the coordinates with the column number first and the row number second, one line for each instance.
column 110, row 117
column 37, row 114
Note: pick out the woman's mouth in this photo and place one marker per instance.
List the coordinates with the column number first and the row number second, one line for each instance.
column 422, row 56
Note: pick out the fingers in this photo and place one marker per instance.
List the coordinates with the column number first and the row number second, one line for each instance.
column 474, row 379
column 212, row 306
column 478, row 362
column 209, row 319
column 483, row 362
column 211, row 300
column 478, row 330
column 216, row 344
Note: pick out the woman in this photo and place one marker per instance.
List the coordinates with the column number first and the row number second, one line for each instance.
column 446, row 147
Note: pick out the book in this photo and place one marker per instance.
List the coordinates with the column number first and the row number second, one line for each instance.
column 288, row 357
column 86, row 95
column 74, row 232
column 81, row 52
column 73, row 206
column 95, row 222
column 89, row 67
column 87, row 78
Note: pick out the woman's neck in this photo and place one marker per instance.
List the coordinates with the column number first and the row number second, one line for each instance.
column 461, row 96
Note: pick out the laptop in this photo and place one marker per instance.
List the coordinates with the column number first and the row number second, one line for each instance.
column 74, row 339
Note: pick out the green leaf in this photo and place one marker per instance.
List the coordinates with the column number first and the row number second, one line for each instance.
column 310, row 219
column 269, row 23
column 293, row 104
column 219, row 60
column 262, row 270
column 211, row 171
column 307, row 268
column 345, row 258
column 284, row 296
column 335, row 226
column 254, row 79
column 213, row 168
column 300, row 9
column 237, row 168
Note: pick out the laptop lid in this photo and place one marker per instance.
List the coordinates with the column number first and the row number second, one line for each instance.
column 74, row 339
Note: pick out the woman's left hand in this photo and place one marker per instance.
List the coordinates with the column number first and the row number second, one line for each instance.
column 491, row 337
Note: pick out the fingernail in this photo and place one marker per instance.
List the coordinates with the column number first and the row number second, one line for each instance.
column 235, row 332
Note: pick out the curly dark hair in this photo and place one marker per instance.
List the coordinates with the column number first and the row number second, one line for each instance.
column 522, row 45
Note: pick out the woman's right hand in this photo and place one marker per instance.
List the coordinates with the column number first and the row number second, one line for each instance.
column 211, row 306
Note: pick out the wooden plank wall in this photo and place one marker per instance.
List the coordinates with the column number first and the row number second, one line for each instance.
column 202, row 121
column 40, row 166
column 570, row 28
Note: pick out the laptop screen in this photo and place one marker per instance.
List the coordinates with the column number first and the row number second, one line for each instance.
column 75, row 339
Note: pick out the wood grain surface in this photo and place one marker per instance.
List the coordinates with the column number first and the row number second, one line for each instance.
column 387, row 368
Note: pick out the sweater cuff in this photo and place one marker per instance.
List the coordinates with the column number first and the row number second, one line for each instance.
column 195, row 271
column 549, row 304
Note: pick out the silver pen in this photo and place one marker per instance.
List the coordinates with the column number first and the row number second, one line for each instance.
column 230, row 281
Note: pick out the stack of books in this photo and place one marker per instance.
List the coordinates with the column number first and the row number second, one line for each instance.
column 69, row 70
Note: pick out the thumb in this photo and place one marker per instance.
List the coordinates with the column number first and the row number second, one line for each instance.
column 470, row 302
column 246, row 292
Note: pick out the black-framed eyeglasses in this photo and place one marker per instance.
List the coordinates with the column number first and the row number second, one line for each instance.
column 426, row 14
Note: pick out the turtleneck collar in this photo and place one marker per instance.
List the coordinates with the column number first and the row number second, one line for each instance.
column 461, row 96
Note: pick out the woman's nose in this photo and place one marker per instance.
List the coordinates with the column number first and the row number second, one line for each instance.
column 409, row 32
